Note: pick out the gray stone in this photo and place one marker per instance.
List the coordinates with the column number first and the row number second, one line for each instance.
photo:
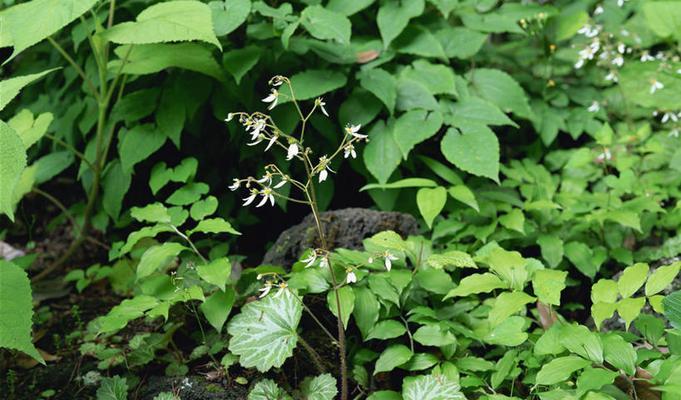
column 345, row 228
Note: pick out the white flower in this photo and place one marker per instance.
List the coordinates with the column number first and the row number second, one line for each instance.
column 310, row 259
column 370, row 260
column 256, row 126
column 276, row 80
column 647, row 57
column 606, row 155
column 612, row 76
column 229, row 117
column 669, row 116
column 235, row 185
column 349, row 150
column 267, row 194
column 594, row 107
column 272, row 141
column 265, row 289
column 292, row 151
column 272, row 99
column 248, row 200
column 388, row 259
column 678, row 71
column 620, row 3
column 280, row 184
column 266, row 179
column 186, row 384
column 320, row 103
column 599, row 10
column 674, row 133
column 618, row 61
column 282, row 289
column 324, row 263
column 323, row 168
column 655, row 85
column 351, row 277
column 621, row 48
column 354, row 131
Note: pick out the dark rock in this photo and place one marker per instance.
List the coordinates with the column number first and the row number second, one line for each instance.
column 344, row 228
column 192, row 388
column 617, row 323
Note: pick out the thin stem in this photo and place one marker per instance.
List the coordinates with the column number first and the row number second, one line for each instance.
column 316, row 358
column 72, row 149
column 411, row 339
column 75, row 65
column 191, row 244
column 314, row 317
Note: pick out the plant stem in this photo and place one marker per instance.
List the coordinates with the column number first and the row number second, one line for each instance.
column 75, row 65
column 72, row 149
column 316, row 358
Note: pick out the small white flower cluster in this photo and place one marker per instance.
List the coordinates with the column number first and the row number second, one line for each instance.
column 269, row 284
column 670, row 118
column 266, row 190
column 387, row 257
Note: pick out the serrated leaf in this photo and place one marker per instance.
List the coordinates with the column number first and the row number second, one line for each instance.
column 45, row 17
column 393, row 18
column 114, row 388
column 227, row 15
column 514, row 220
column 155, row 213
column 382, row 85
column 551, row 249
column 474, row 150
column 365, row 312
column 392, row 357
column 322, row 387
column 630, row 308
column 451, row 260
column 632, row 279
column 16, row 310
column 217, row 306
column 434, row 335
column 216, row 272
column 214, row 225
column 474, row 110
column 415, row 126
column 170, row 21
column 507, row 304
column 388, row 329
column 460, row 42
column 325, row 24
column 238, row 62
column 12, row 163
column 264, row 333
column 580, row 340
column 312, row 83
column 267, row 389
column 501, row 89
column 138, row 144
column 560, row 369
column 187, row 194
column 29, row 129
column 510, row 332
column 463, row 194
column 476, row 283
column 431, row 202
column 419, row 41
column 157, row 257
column 548, row 284
column 429, row 387
column 661, row 278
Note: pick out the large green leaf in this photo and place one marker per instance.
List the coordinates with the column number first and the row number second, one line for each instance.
column 460, row 42
column 326, row 24
column 267, row 389
column 636, row 80
column 382, row 85
column 216, row 272
column 560, row 369
column 217, row 307
column 151, row 58
column 475, row 150
column 472, row 110
column 170, row 21
column 431, row 202
column 313, row 83
column 322, row 387
column 229, row 15
column 115, row 184
column 30, row 129
column 392, row 357
column 672, row 308
column 419, row 41
column 348, row 8
column 547, row 285
column 428, row 387
column 477, row 283
column 113, row 388
column 30, row 22
column 413, row 127
column 11, row 87
column 382, row 154
column 157, row 257
column 366, row 310
column 663, row 17
column 661, row 278
column 501, row 89
column 264, row 333
column 12, row 163
column 347, row 303
column 16, row 310
column 393, row 17
column 632, row 279
column 138, row 144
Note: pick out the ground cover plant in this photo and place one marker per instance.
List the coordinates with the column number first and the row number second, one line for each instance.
column 152, row 152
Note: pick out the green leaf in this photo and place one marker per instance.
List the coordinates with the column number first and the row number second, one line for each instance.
column 460, row 42
column 365, row 311
column 154, row 213
column 227, row 15
column 635, row 81
column 401, row 184
column 504, row 367
column 203, row 208
column 382, row 154
column 619, row 353
column 267, row 389
column 434, row 335
column 501, row 89
column 510, row 332
column 474, row 150
column 360, row 108
column 419, row 41
column 170, row 21
column 114, row 388
column 507, row 304
column 152, row 58
column 264, row 333
column 138, row 144
column 325, row 24
column 384, row 394
column 437, row 78
column 313, row 83
column 429, row 387
column 509, row 265
column 129, row 309
column 551, row 249
column 238, row 62
column 322, row 387
column 474, row 110
column 161, row 175
column 582, row 257
column 393, row 17
column 157, row 257
column 348, row 8
column 11, row 87
column 392, row 357
column 12, row 163
column 51, row 165
column 216, row 272
column 434, row 280
column 413, row 94
column 514, row 220
column 477, row 283
column 547, row 285
column 388, row 329
column 629, row 309
column 45, row 17
column 116, row 183
column 16, row 310
column 217, row 306
column 632, row 279
column 29, row 129
column 347, row 303
column 663, row 18
column 451, row 260
column 381, row 84
column 413, row 127
column 431, row 202
column 594, row 379
column 580, row 340
column 672, row 308
column 187, row 194
column 661, row 278
column 463, row 194
column 560, row 369
column 214, row 225
column 605, row 290
column 602, row 311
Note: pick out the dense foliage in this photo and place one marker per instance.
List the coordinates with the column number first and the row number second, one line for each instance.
column 537, row 143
